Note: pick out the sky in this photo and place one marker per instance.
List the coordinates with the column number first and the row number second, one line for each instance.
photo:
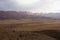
column 30, row 5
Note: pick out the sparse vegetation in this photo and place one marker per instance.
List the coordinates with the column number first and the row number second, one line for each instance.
column 27, row 29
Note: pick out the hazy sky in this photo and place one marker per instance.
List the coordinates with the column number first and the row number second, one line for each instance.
column 31, row 5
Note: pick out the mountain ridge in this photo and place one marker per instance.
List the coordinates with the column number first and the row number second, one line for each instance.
column 27, row 15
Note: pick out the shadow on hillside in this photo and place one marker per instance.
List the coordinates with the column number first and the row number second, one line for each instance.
column 52, row 33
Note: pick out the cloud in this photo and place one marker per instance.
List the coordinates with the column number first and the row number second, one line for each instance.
column 41, row 6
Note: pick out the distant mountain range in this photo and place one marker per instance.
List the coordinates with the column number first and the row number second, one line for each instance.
column 52, row 15
column 27, row 15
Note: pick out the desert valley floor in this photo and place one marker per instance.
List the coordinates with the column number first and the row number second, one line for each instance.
column 30, row 29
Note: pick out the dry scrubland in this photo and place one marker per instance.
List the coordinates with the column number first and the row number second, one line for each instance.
column 27, row 29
